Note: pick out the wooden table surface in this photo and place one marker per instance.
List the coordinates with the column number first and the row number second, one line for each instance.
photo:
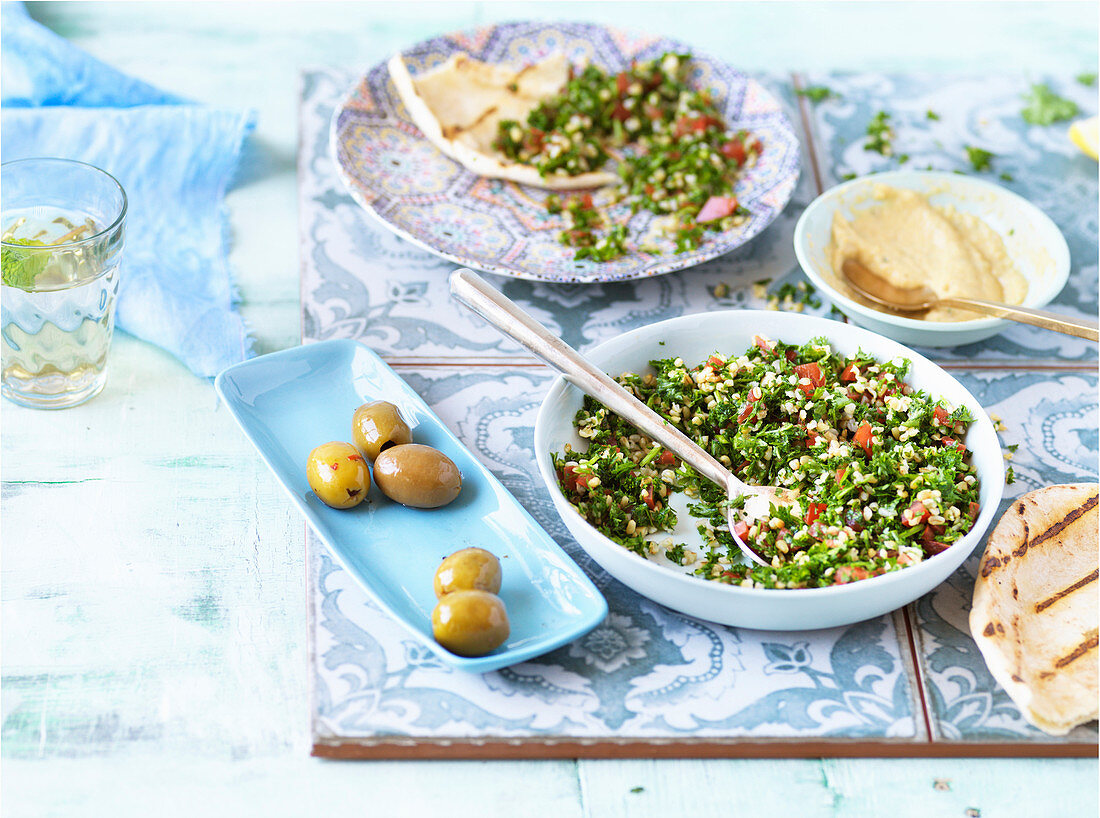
column 153, row 595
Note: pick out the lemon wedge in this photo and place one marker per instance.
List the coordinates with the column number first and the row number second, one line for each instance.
column 1085, row 134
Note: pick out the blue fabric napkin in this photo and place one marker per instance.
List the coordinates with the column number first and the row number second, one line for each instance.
column 174, row 159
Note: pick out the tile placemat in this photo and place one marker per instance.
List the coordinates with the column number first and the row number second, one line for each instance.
column 649, row 681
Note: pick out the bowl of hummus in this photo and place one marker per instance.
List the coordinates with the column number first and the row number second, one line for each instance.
column 957, row 235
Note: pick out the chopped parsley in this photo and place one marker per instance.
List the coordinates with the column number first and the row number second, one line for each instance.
column 930, row 114
column 1044, row 107
column 883, row 477
column 816, row 93
column 1007, row 177
column 1088, row 78
column 980, row 159
column 880, row 134
column 1010, row 476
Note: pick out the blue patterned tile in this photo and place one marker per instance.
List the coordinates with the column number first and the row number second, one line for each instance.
column 646, row 672
column 1054, row 419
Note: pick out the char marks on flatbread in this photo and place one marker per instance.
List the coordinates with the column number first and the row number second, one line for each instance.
column 459, row 105
column 1035, row 616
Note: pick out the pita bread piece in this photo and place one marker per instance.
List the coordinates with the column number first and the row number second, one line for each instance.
column 1035, row 613
column 459, row 105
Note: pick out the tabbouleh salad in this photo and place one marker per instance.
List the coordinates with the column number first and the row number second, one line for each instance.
column 678, row 159
column 882, row 476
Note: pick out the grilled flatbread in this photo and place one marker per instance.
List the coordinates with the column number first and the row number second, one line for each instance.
column 1035, row 613
column 459, row 104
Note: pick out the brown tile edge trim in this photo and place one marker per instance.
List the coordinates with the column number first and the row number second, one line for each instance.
column 567, row 748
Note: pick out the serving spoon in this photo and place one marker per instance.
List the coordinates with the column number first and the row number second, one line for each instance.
column 920, row 299
column 474, row 292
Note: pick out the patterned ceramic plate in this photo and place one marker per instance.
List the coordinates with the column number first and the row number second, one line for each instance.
column 503, row 227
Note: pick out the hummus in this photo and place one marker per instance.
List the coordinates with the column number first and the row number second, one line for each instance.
column 911, row 243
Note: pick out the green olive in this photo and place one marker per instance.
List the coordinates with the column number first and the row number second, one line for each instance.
column 338, row 474
column 471, row 569
column 470, row 623
column 418, row 476
column 376, row 426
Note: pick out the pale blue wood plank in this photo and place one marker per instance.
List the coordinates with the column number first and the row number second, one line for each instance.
column 841, row 788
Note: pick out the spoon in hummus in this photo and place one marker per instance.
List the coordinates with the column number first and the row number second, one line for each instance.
column 921, row 299
column 472, row 291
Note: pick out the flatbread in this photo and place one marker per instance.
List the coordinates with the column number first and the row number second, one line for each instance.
column 1035, row 615
column 459, row 104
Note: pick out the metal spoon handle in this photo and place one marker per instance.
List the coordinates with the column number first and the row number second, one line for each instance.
column 1025, row 315
column 473, row 291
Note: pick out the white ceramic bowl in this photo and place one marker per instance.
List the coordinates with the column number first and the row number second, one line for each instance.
column 1032, row 240
column 694, row 337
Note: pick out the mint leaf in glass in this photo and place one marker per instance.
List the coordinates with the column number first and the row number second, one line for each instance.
column 20, row 267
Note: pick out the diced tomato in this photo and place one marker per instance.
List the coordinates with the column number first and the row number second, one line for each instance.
column 850, row 573
column 622, row 82
column 919, row 513
column 650, row 190
column 734, row 149
column 572, row 480
column 939, row 414
column 862, row 437
column 534, row 141
column 651, row 111
column 814, row 512
column 849, row 374
column 673, row 155
column 748, row 409
column 791, row 354
column 762, row 343
column 854, row 520
column 716, row 207
column 715, row 362
column 811, row 438
column 950, row 441
column 813, row 372
column 740, row 530
column 840, row 473
column 930, row 533
column 935, row 547
column 758, row 146
column 975, row 509
column 666, row 458
column 586, row 201
column 649, row 499
column 687, row 124
column 621, row 112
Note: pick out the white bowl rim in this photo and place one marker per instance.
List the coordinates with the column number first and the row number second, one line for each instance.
column 1059, row 251
column 907, row 575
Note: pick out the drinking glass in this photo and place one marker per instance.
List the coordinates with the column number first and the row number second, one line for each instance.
column 60, row 247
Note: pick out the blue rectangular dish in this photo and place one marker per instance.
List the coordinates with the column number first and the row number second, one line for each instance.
column 291, row 401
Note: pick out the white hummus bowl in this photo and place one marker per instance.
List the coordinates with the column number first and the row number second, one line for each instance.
column 1033, row 241
column 694, row 337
